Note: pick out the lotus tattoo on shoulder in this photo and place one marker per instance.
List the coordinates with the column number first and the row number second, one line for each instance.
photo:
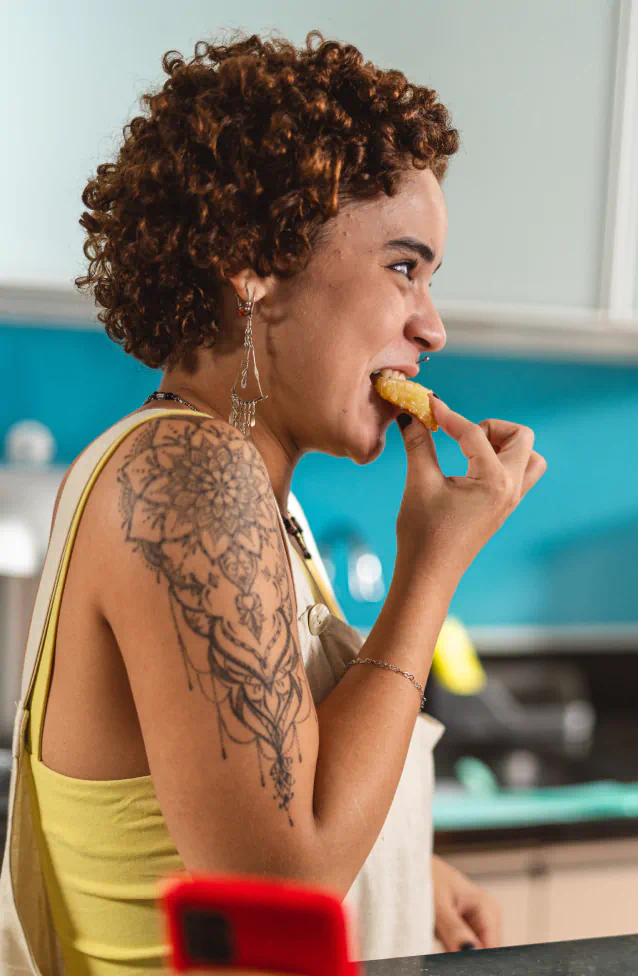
column 191, row 490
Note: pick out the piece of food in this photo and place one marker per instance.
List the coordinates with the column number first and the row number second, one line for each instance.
column 393, row 386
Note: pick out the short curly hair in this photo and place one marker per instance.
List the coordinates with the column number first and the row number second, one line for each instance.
column 246, row 152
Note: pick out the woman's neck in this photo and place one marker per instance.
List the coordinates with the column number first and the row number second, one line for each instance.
column 213, row 397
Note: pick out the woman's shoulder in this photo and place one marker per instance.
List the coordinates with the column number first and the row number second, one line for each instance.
column 184, row 490
column 180, row 454
column 151, row 444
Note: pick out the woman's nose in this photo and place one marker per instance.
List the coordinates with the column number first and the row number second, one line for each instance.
column 427, row 329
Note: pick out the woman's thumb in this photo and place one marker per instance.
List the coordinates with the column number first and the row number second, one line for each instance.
column 419, row 446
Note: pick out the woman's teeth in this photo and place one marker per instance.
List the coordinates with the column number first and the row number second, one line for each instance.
column 394, row 374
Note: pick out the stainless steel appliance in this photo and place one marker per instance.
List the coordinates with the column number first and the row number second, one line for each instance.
column 29, row 483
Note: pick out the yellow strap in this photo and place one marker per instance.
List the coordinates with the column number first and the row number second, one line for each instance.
column 40, row 690
column 322, row 594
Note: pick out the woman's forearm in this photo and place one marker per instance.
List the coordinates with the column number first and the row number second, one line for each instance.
column 366, row 723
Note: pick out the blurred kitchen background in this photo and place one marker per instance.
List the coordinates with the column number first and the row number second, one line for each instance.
column 536, row 673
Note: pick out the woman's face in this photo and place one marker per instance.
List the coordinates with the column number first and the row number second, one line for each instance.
column 363, row 303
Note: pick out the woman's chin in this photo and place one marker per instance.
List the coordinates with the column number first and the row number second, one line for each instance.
column 365, row 449
column 364, row 441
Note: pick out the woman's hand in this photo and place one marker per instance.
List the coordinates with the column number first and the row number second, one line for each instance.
column 447, row 520
column 464, row 915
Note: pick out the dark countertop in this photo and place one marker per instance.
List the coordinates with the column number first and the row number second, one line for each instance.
column 589, row 957
column 451, row 841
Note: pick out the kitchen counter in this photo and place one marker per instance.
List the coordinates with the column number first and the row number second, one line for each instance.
column 507, row 836
column 583, row 812
column 522, row 807
column 589, row 957
column 594, row 797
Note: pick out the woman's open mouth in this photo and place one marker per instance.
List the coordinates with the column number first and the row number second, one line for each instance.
column 395, row 374
column 387, row 372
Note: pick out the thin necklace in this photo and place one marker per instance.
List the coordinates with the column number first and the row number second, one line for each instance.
column 292, row 525
column 160, row 395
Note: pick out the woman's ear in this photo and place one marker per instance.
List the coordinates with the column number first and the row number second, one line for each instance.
column 248, row 282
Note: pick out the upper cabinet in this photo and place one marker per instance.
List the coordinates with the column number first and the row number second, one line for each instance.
column 530, row 87
column 542, row 197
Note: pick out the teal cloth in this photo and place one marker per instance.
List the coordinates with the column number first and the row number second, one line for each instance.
column 514, row 808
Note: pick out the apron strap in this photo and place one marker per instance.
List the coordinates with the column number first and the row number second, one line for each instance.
column 326, row 596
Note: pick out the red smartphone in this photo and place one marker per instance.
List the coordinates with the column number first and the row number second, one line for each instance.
column 238, row 922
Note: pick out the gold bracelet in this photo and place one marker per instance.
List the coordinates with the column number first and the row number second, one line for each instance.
column 391, row 667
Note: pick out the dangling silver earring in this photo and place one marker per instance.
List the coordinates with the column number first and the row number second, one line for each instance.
column 242, row 416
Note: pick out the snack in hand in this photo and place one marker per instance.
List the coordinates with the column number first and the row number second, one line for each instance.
column 392, row 385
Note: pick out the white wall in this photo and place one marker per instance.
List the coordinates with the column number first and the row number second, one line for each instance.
column 529, row 83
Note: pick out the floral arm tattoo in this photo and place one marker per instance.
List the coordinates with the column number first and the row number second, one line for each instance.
column 190, row 490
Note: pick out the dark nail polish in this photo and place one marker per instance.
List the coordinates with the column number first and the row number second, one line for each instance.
column 467, row 946
column 403, row 420
column 435, row 395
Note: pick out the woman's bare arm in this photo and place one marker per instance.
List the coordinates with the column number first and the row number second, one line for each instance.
column 249, row 776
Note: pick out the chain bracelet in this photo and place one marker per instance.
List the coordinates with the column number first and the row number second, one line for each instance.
column 391, row 667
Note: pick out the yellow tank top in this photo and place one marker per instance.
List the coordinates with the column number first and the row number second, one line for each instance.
column 103, row 844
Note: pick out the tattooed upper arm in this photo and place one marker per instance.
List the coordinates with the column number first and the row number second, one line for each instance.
column 202, row 606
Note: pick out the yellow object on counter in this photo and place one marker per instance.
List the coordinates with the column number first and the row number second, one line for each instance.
column 456, row 664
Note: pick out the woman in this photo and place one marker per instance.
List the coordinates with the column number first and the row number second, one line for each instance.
column 267, row 237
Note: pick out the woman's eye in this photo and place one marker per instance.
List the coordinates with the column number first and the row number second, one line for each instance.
column 410, row 265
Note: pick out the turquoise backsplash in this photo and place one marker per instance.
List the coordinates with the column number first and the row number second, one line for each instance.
column 568, row 555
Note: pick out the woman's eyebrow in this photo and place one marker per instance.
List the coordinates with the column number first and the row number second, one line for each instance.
column 413, row 244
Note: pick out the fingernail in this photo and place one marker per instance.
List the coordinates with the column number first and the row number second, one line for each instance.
column 403, row 420
column 435, row 395
column 467, row 946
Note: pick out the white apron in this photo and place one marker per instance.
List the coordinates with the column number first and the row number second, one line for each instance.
column 390, row 901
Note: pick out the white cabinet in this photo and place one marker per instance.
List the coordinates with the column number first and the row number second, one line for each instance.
column 560, row 892
column 515, row 895
column 542, row 196
column 512, row 878
column 530, row 87
column 591, row 890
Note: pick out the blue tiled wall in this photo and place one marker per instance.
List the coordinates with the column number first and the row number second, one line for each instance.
column 569, row 554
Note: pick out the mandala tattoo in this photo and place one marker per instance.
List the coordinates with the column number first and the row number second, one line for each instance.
column 190, row 490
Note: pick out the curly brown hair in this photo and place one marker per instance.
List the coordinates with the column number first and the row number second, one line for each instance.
column 247, row 150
